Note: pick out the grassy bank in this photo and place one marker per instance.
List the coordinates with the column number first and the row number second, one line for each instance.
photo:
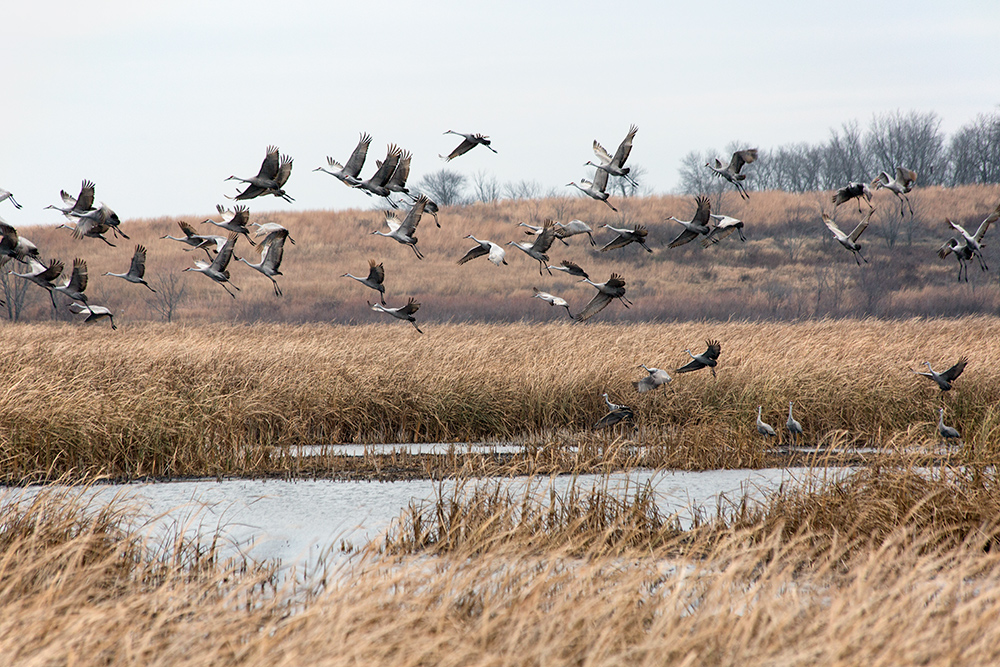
column 887, row 567
column 157, row 400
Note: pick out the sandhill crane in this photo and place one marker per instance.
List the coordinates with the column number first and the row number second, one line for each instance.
column 43, row 276
column 196, row 240
column 92, row 224
column 540, row 246
column 216, row 270
column 136, row 270
column 723, row 227
column 595, row 189
column 614, row 288
column 962, row 252
column 405, row 231
column 266, row 229
column 376, row 184
column 572, row 228
column 852, row 190
column 83, row 203
column 93, row 313
column 5, row 194
column 348, row 173
column 709, row 358
column 974, row 241
column 945, row 378
column 946, row 432
column 572, row 268
column 626, row 236
column 614, row 165
column 535, row 230
column 397, row 181
column 14, row 245
column 401, row 313
column 794, row 427
column 273, row 174
column 430, row 207
column 698, row 225
column 491, row 250
column 899, row 186
column 469, row 142
column 764, row 428
column 234, row 220
column 270, row 179
column 271, row 252
column 374, row 279
column 76, row 283
column 655, row 378
column 551, row 299
column 849, row 241
column 731, row 172
column 616, row 413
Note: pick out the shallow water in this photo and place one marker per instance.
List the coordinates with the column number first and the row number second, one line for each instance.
column 297, row 521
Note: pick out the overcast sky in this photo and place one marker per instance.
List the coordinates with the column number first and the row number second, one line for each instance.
column 159, row 102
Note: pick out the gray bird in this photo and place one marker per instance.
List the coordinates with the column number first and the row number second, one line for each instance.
column 404, row 231
column 540, row 246
column 374, row 279
column 271, row 251
column 136, row 270
column 764, row 428
column 709, row 358
column 595, row 189
column 849, row 241
column 217, row 270
column 794, row 427
column 852, row 190
column 627, row 236
column 900, row 185
column 614, row 288
column 401, row 313
column 655, row 378
column 696, row 226
column 614, row 165
column 469, row 141
column 944, row 379
column 270, row 179
column 946, row 432
column 731, row 172
column 348, row 173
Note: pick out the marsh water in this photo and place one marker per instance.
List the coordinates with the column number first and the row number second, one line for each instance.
column 298, row 521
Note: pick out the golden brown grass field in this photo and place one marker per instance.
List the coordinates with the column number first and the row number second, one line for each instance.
column 894, row 564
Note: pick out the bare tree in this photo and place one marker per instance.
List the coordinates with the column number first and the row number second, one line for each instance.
column 972, row 154
column 523, row 189
column 170, row 293
column 486, row 187
column 913, row 141
column 696, row 178
column 445, row 187
column 845, row 158
column 630, row 188
column 13, row 295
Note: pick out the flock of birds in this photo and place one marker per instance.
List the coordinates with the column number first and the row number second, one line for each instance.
column 87, row 220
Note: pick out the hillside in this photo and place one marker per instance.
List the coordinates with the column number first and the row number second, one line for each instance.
column 790, row 267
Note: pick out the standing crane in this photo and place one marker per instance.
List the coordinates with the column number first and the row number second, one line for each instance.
column 491, row 250
column 849, row 241
column 764, row 428
column 469, row 141
column 596, row 188
column 614, row 288
column 136, row 270
column 615, row 165
column 374, row 279
column 404, row 231
column 900, row 185
column 794, row 427
column 731, row 172
column 271, row 252
column 348, row 173
column 944, row 379
column 217, row 270
column 400, row 313
column 709, row 358
column 273, row 174
column 696, row 226
column 946, row 432
column 540, row 246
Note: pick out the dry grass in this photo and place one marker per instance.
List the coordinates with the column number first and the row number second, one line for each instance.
column 790, row 268
column 814, row 578
column 214, row 400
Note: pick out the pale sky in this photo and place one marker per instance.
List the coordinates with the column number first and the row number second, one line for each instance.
column 159, row 102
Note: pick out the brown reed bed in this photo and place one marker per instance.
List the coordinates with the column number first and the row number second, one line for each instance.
column 230, row 400
column 815, row 576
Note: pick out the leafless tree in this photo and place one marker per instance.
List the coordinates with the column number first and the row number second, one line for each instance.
column 486, row 187
column 523, row 189
column 170, row 293
column 972, row 154
column 845, row 158
column 625, row 188
column 913, row 140
column 445, row 187
column 696, row 179
column 14, row 290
